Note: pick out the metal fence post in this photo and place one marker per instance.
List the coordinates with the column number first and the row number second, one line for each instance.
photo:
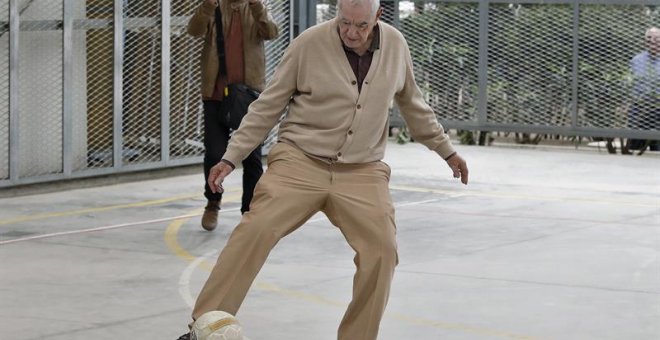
column 165, row 83
column 118, row 69
column 482, row 75
column 67, row 88
column 14, row 95
column 575, row 73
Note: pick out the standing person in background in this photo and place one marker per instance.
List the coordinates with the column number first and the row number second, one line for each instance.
column 644, row 112
column 245, row 26
column 337, row 79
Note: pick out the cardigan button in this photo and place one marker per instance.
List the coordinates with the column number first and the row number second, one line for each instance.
column 359, row 106
column 354, row 82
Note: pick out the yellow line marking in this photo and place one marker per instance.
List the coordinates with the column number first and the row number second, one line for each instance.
column 456, row 193
column 299, row 295
column 172, row 230
column 171, row 238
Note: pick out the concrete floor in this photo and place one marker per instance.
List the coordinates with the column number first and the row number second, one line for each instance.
column 542, row 244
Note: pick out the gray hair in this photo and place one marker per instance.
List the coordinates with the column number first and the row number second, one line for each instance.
column 375, row 5
column 651, row 32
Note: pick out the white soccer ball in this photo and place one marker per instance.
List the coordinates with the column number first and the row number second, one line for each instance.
column 216, row 325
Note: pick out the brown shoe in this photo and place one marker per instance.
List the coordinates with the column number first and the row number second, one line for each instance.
column 210, row 217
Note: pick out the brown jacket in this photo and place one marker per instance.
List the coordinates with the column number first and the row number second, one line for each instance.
column 257, row 27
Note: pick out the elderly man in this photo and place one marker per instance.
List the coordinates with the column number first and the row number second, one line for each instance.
column 645, row 110
column 337, row 79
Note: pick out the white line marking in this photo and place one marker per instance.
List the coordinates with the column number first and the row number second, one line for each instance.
column 415, row 203
column 184, row 279
column 81, row 231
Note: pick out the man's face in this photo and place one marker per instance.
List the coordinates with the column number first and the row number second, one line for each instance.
column 356, row 23
column 653, row 43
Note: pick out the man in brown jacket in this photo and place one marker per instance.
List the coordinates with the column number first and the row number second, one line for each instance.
column 245, row 26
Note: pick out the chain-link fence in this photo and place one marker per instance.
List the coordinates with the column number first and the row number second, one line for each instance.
column 92, row 87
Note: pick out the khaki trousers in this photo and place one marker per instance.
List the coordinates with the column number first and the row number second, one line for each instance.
column 354, row 197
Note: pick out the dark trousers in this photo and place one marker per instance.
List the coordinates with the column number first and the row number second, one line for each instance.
column 216, row 138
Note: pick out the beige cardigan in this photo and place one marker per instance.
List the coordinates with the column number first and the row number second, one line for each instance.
column 257, row 26
column 327, row 117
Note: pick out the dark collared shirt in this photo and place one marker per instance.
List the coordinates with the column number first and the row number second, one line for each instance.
column 361, row 64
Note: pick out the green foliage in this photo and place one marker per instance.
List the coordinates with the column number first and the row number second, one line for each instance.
column 529, row 63
column 444, row 46
column 466, row 137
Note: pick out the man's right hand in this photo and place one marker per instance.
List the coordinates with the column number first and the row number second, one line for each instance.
column 459, row 167
column 217, row 175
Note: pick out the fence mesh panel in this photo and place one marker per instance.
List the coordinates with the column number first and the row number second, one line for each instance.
column 530, row 64
column 141, row 112
column 4, row 90
column 444, row 45
column 40, row 78
column 93, row 79
column 281, row 13
column 186, row 115
column 610, row 94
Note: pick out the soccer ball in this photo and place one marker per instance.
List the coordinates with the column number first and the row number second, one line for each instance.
column 216, row 325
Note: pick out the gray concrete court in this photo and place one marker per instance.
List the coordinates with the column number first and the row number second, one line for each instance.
column 543, row 244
